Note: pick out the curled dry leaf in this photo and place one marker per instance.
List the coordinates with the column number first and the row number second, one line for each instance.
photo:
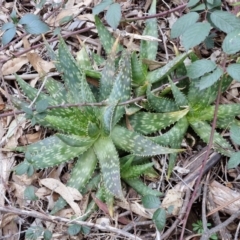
column 72, row 11
column 29, row 138
column 103, row 221
column 173, row 198
column 9, row 226
column 18, row 193
column 40, row 65
column 14, row 65
column 42, row 192
column 136, row 208
column 69, row 194
column 24, row 179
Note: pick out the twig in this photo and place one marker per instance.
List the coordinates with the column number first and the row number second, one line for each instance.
column 237, row 231
column 49, row 41
column 216, row 219
column 134, row 224
column 55, row 219
column 101, row 104
column 161, row 14
column 206, row 236
column 204, row 217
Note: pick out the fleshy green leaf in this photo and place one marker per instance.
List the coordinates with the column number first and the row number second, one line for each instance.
column 148, row 49
column 203, row 130
column 146, row 123
column 36, row 27
column 109, row 199
column 141, row 188
column 225, row 111
column 22, row 168
column 73, row 76
column 207, row 96
column 136, row 144
column 179, row 97
column 210, row 79
column 122, row 86
column 31, row 92
column 174, row 135
column 189, row 38
column 83, row 170
column 28, row 18
column 83, row 59
column 151, row 202
column 234, row 71
column 51, row 152
column 200, row 7
column 7, row 26
column 192, row 3
column 109, row 163
column 107, row 121
column 161, row 73
column 106, row 38
column 235, row 134
column 138, row 75
column 8, row 35
column 159, row 219
column 74, row 229
column 80, row 175
column 231, row 43
column 108, row 76
column 29, row 193
column 200, row 67
column 75, row 141
column 47, row 235
column 56, row 90
column 234, row 160
column 160, row 104
column 34, row 232
column 225, row 21
column 113, row 15
column 41, row 105
column 68, row 124
column 183, row 23
column 101, row 6
column 135, row 171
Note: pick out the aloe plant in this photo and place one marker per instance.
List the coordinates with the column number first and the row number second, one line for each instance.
column 89, row 133
column 200, row 112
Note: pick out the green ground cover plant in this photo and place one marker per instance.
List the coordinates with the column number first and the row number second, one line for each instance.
column 111, row 139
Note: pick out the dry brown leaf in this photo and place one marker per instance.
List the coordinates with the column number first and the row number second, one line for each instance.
column 9, row 226
column 13, row 65
column 6, row 163
column 136, row 208
column 40, row 65
column 86, row 17
column 12, row 141
column 173, row 198
column 43, row 192
column 2, row 106
column 66, row 213
column 18, row 123
column 18, row 193
column 24, row 179
column 72, row 11
column 69, row 194
column 29, row 138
